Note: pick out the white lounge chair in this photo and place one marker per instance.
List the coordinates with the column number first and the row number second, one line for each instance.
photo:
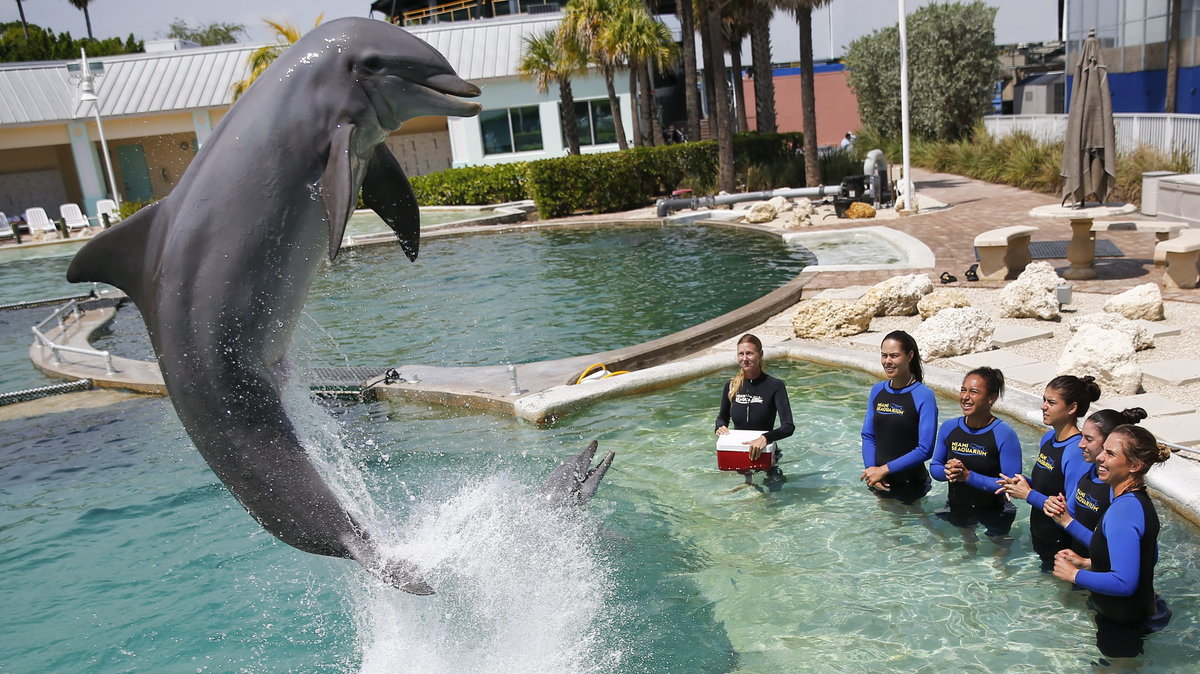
column 72, row 217
column 40, row 224
column 110, row 207
column 6, row 230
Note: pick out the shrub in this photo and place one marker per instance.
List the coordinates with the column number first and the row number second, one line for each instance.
column 471, row 185
column 128, row 208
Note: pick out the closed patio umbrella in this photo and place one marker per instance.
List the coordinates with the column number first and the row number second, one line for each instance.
column 1089, row 164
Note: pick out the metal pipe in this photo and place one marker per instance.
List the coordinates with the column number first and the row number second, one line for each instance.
column 667, row 206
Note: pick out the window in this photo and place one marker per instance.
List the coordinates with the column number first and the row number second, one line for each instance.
column 511, row 130
column 594, row 122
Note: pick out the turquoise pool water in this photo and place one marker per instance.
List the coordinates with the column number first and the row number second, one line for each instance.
column 122, row 553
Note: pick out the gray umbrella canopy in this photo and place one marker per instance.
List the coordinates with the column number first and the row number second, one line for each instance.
column 1089, row 164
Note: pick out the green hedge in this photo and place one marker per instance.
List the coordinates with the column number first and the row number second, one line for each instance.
column 615, row 181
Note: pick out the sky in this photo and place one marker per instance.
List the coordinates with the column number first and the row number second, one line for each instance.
column 1018, row 20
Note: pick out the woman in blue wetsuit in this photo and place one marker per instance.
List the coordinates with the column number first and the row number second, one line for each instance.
column 1124, row 548
column 753, row 399
column 1081, row 505
column 901, row 424
column 972, row 451
column 1065, row 399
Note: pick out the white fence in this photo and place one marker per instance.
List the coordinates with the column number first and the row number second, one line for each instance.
column 1167, row 133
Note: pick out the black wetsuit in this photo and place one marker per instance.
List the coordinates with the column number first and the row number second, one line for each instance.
column 898, row 431
column 986, row 453
column 1048, row 478
column 756, row 406
column 1086, row 505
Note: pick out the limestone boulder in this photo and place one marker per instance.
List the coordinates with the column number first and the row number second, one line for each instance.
column 1028, row 299
column 955, row 331
column 829, row 318
column 1107, row 355
column 760, row 212
column 780, row 204
column 1142, row 338
column 897, row 296
column 801, row 215
column 860, row 211
column 937, row 300
column 1144, row 301
column 1041, row 274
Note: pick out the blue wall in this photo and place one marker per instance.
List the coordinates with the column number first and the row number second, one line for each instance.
column 1146, row 91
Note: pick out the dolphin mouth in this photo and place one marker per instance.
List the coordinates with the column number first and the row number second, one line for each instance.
column 451, row 86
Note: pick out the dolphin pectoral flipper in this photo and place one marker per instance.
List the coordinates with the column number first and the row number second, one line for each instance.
column 117, row 256
column 340, row 184
column 386, row 191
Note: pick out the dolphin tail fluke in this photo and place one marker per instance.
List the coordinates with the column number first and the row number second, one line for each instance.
column 117, row 256
column 402, row 575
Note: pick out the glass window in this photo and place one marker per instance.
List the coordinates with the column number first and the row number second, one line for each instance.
column 510, row 130
column 1156, row 30
column 1109, row 13
column 1135, row 10
column 1133, row 34
column 595, row 123
column 497, row 137
column 1156, row 7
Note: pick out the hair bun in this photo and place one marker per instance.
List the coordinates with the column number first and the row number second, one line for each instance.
column 1134, row 414
column 1164, row 452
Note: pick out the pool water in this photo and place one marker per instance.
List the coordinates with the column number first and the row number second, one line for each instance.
column 122, row 552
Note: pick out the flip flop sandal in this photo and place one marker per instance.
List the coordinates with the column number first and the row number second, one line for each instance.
column 947, row 277
column 972, row 275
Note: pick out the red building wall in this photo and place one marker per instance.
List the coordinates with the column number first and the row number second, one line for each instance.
column 837, row 107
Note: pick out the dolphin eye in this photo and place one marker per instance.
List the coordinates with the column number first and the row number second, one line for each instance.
column 373, row 64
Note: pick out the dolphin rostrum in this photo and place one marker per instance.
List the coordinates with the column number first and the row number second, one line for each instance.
column 220, row 268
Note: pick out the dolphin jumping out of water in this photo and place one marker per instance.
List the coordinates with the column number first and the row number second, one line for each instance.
column 221, row 267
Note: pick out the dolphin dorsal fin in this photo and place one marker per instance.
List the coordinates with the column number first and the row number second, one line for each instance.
column 117, row 256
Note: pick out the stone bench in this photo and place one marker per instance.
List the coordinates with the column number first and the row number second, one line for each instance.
column 1183, row 259
column 1004, row 252
column 1163, row 231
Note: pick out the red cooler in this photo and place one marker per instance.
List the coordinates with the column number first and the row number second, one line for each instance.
column 733, row 455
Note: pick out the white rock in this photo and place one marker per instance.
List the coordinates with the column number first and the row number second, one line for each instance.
column 1142, row 338
column 955, row 331
column 827, row 318
column 1107, row 355
column 805, row 207
column 897, row 296
column 1041, row 274
column 937, row 300
column 1028, row 299
column 780, row 204
column 760, row 212
column 1144, row 301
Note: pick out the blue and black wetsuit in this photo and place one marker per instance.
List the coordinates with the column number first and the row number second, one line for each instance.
column 1086, row 505
column 756, row 406
column 986, row 452
column 899, row 431
column 1124, row 551
column 1055, row 460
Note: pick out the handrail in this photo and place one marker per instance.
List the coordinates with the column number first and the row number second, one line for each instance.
column 420, row 15
column 71, row 308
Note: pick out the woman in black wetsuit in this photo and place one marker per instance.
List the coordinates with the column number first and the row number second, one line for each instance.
column 1124, row 549
column 753, row 399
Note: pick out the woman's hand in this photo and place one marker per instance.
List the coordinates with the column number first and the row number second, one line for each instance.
column 874, row 475
column 1016, row 486
column 757, row 445
column 1067, row 565
column 722, row 430
column 956, row 471
column 1056, row 509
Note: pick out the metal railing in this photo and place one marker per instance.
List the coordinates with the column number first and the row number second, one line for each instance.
column 1167, row 133
column 59, row 316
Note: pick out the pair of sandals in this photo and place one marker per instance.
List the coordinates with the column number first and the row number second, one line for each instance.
column 972, row 275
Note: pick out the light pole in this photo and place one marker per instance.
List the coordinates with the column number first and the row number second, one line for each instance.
column 910, row 201
column 87, row 93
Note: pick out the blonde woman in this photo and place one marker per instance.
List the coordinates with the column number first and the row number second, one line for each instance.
column 753, row 400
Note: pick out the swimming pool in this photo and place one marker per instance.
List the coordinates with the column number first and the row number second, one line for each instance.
column 123, row 552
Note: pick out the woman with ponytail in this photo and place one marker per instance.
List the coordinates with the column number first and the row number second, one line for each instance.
column 753, row 399
column 1079, row 508
column 1124, row 547
column 1065, row 399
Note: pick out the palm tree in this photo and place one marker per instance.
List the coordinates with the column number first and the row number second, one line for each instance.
column 24, row 24
column 544, row 60
column 735, row 23
column 715, row 61
column 760, row 49
column 260, row 59
column 808, row 102
column 588, row 22
column 685, row 10
column 79, row 4
column 643, row 44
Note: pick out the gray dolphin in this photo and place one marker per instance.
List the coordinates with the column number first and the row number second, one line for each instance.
column 574, row 481
column 220, row 268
